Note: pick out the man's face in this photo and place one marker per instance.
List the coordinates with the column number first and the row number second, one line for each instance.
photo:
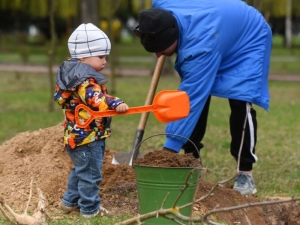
column 168, row 51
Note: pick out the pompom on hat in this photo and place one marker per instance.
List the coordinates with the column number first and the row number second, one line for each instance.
column 88, row 40
column 157, row 29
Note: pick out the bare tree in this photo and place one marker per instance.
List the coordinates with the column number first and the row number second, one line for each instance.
column 112, row 8
column 51, row 54
column 288, row 24
column 89, row 11
column 257, row 4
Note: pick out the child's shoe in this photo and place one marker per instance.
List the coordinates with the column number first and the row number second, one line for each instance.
column 68, row 209
column 102, row 212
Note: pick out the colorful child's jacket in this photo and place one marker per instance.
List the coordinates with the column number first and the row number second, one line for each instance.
column 78, row 83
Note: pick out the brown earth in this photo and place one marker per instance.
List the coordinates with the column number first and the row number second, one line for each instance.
column 40, row 155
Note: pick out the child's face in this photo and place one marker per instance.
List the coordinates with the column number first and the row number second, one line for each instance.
column 97, row 62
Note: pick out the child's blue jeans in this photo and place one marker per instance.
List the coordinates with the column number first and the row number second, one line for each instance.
column 85, row 177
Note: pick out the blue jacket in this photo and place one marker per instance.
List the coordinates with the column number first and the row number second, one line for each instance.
column 223, row 50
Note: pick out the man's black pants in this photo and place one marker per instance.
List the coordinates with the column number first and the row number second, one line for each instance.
column 239, row 110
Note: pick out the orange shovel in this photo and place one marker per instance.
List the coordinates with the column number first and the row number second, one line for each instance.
column 168, row 105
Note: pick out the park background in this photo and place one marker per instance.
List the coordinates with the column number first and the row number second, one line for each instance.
column 33, row 43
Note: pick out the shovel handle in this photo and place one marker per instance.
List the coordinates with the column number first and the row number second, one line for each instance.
column 96, row 114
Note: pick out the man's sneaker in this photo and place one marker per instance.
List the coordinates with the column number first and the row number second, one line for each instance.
column 102, row 212
column 244, row 183
column 68, row 209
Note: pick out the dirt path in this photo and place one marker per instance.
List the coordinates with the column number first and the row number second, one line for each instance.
column 123, row 72
column 44, row 69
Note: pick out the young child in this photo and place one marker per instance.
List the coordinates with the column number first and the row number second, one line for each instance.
column 78, row 82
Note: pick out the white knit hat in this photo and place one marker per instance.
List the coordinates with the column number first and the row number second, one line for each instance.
column 88, row 40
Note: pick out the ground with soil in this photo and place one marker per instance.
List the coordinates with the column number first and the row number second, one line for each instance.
column 40, row 155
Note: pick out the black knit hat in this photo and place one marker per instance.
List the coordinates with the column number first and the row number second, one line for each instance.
column 157, row 29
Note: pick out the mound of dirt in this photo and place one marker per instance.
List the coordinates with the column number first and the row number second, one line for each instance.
column 40, row 155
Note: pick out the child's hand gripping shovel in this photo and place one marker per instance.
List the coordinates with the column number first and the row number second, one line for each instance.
column 168, row 105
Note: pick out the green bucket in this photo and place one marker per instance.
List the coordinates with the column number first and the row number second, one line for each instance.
column 155, row 183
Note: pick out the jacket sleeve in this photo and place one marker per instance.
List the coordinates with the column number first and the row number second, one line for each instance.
column 96, row 97
column 198, row 71
column 60, row 96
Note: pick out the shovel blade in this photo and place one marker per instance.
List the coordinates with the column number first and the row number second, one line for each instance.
column 123, row 158
column 171, row 105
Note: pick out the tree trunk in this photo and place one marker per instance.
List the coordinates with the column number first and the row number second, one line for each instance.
column 51, row 55
column 90, row 12
column 113, row 61
column 257, row 4
column 288, row 24
column 113, row 5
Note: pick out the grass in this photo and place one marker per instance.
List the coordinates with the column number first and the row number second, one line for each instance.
column 24, row 104
column 285, row 61
column 71, row 220
column 93, row 221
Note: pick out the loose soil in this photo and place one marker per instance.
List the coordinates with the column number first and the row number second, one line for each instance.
column 40, row 155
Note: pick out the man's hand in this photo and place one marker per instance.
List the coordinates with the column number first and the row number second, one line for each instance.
column 123, row 107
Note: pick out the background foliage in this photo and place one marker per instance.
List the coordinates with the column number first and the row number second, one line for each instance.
column 25, row 96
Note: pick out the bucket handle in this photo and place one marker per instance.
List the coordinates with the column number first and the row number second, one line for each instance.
column 177, row 135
